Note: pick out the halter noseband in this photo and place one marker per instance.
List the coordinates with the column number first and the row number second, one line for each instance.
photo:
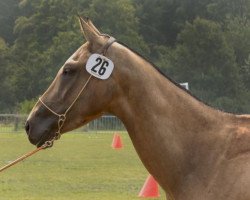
column 62, row 117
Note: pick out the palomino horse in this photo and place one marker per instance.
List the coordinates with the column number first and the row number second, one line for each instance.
column 195, row 152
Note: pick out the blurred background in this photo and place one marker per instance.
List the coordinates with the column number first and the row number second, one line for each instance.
column 203, row 42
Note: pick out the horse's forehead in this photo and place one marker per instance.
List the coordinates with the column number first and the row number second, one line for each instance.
column 77, row 54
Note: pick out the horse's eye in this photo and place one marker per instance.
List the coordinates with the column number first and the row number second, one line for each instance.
column 66, row 71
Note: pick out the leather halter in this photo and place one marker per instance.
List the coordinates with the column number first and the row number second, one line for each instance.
column 62, row 117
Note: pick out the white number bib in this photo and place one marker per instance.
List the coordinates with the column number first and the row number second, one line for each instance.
column 99, row 66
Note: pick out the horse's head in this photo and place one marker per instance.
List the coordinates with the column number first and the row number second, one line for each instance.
column 75, row 97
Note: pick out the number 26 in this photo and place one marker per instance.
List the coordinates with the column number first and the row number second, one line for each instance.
column 102, row 63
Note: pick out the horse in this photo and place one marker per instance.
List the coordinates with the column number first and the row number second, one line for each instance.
column 194, row 151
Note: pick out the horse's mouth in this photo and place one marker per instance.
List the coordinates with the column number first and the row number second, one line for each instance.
column 47, row 136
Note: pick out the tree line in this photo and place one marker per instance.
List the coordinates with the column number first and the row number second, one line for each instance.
column 203, row 42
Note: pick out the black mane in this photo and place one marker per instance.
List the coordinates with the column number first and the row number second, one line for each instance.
column 163, row 74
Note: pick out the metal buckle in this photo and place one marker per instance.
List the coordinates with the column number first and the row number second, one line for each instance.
column 48, row 144
column 61, row 120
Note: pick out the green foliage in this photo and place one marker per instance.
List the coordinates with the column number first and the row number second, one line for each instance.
column 6, row 92
column 220, row 10
column 206, row 43
column 118, row 18
column 8, row 14
column 245, row 70
column 238, row 34
column 205, row 60
column 3, row 45
column 163, row 58
column 26, row 106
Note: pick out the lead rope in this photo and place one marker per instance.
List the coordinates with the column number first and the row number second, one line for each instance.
column 49, row 143
column 46, row 145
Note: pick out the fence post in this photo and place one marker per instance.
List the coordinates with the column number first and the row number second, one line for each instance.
column 16, row 123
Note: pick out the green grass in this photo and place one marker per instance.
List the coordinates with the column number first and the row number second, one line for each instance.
column 79, row 166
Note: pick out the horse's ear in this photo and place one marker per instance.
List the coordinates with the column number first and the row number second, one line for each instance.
column 89, row 33
column 93, row 26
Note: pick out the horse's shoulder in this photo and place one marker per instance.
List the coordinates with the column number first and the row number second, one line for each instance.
column 240, row 140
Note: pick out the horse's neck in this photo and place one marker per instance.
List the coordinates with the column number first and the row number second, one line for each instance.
column 167, row 126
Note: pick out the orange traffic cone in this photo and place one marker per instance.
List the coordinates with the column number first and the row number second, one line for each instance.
column 150, row 188
column 117, row 141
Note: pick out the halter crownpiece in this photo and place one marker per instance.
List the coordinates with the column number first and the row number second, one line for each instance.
column 62, row 117
column 110, row 41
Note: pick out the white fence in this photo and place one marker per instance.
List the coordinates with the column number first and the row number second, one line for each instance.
column 15, row 123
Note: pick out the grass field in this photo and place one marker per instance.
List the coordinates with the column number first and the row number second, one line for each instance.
column 79, row 166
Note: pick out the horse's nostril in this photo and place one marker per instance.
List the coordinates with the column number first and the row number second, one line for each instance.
column 27, row 127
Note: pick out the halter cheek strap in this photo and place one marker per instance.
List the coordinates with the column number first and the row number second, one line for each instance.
column 62, row 117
